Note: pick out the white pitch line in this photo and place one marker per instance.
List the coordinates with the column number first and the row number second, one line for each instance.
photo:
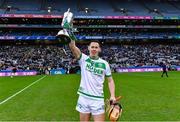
column 21, row 90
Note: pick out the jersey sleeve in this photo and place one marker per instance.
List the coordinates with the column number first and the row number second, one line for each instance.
column 82, row 58
column 108, row 70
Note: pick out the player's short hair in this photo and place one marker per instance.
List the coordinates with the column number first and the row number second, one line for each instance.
column 96, row 42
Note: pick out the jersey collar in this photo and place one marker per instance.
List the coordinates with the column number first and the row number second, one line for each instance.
column 94, row 58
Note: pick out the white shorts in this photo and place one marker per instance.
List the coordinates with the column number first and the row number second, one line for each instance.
column 87, row 105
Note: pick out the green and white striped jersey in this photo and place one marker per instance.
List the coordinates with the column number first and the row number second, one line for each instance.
column 93, row 72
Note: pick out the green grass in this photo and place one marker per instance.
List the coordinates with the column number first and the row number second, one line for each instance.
column 146, row 97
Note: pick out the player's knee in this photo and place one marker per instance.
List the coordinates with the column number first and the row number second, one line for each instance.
column 99, row 118
column 84, row 117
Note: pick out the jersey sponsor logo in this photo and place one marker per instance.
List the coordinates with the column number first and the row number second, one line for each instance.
column 96, row 68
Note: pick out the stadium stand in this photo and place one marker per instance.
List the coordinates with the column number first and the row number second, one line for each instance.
column 43, row 29
column 123, row 56
column 93, row 7
column 32, row 57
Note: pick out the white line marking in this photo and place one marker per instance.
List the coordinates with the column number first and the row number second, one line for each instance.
column 21, row 90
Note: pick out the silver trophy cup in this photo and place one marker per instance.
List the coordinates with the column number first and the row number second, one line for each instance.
column 66, row 35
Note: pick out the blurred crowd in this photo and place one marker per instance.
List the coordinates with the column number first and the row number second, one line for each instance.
column 42, row 58
column 38, row 58
column 142, row 55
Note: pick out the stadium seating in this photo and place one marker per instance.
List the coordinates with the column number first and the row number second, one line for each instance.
column 95, row 7
column 36, row 57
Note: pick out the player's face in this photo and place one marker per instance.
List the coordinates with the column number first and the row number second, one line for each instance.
column 94, row 49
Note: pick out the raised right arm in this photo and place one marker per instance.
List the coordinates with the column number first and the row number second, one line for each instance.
column 75, row 50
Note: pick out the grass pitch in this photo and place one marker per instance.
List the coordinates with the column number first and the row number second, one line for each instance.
column 146, row 97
